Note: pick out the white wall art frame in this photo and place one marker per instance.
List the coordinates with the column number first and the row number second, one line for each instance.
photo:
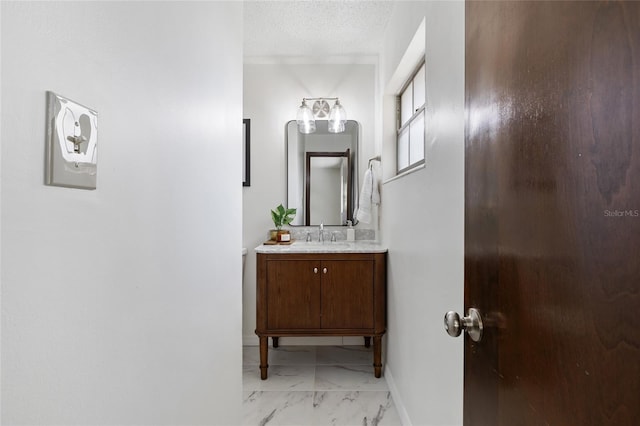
column 72, row 144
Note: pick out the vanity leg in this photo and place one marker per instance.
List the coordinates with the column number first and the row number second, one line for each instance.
column 377, row 356
column 367, row 341
column 276, row 342
column 264, row 356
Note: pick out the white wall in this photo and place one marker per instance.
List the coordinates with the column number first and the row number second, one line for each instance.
column 123, row 305
column 272, row 94
column 422, row 221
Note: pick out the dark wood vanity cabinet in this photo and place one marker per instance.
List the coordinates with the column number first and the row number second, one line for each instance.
column 321, row 294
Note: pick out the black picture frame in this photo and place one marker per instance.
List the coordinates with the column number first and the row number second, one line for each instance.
column 246, row 149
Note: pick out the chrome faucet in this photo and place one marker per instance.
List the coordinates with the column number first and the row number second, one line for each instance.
column 321, row 233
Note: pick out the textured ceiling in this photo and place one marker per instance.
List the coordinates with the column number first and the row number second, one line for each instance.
column 315, row 27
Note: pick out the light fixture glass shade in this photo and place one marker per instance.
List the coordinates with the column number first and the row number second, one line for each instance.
column 336, row 126
column 306, row 121
column 337, row 118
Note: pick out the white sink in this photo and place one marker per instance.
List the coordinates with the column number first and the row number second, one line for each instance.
column 315, row 245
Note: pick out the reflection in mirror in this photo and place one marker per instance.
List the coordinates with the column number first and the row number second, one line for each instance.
column 322, row 174
column 327, row 193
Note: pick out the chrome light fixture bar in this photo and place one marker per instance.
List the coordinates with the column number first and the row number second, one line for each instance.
column 306, row 117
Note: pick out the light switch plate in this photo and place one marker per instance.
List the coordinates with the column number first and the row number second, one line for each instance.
column 72, row 144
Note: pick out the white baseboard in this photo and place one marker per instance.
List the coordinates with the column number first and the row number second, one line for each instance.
column 250, row 340
column 397, row 401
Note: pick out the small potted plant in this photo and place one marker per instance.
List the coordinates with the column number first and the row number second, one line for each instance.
column 281, row 217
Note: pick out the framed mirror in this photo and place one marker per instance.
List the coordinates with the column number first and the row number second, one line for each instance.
column 327, row 191
column 322, row 174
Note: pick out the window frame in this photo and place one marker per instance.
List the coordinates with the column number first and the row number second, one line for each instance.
column 406, row 127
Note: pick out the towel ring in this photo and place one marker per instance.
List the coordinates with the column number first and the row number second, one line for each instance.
column 376, row 158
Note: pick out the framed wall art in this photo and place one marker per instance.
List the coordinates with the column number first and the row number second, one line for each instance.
column 246, row 157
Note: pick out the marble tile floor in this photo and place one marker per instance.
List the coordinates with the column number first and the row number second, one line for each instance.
column 316, row 386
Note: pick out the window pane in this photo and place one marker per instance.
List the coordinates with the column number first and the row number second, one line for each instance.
column 403, row 150
column 406, row 105
column 419, row 84
column 416, row 148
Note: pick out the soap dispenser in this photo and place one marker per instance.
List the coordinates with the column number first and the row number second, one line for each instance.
column 351, row 233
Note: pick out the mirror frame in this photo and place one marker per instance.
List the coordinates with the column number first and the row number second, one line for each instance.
column 307, row 195
column 354, row 160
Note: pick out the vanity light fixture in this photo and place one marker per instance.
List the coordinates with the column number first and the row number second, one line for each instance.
column 306, row 117
column 337, row 118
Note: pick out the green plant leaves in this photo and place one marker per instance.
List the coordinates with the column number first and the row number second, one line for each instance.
column 282, row 216
column 276, row 219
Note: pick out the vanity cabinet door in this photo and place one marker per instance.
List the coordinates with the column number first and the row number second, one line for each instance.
column 293, row 294
column 347, row 293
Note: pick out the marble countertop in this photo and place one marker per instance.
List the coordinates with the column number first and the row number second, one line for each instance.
column 358, row 246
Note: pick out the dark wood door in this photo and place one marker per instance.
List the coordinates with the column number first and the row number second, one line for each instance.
column 293, row 294
column 552, row 212
column 347, row 294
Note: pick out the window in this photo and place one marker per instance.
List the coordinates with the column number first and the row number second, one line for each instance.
column 411, row 121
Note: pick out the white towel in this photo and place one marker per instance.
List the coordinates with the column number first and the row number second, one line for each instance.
column 369, row 196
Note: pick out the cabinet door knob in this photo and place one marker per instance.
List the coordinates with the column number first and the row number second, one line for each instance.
column 324, row 271
column 315, row 270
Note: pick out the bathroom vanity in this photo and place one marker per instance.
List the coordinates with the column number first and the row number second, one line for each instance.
column 314, row 289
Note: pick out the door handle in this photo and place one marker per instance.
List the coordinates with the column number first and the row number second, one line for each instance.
column 472, row 324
